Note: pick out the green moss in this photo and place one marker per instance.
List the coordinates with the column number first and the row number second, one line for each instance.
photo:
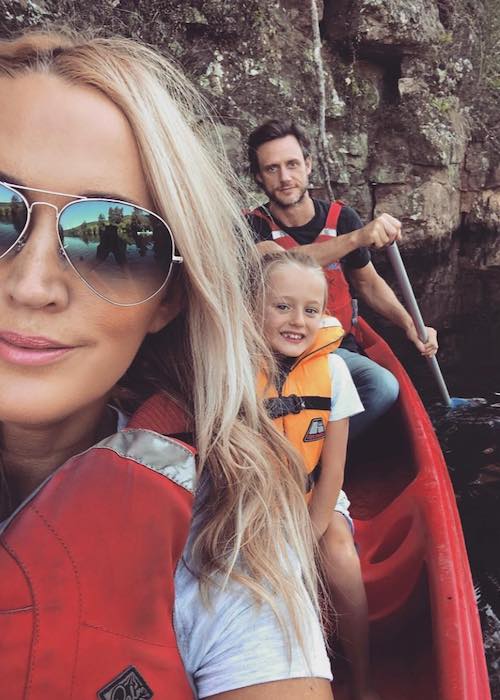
column 446, row 38
column 443, row 105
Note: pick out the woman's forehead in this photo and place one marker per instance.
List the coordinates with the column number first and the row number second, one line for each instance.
column 60, row 136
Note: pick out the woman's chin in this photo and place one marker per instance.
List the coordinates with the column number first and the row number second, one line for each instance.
column 35, row 407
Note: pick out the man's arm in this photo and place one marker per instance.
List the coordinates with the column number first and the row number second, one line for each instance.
column 375, row 291
column 379, row 233
column 268, row 247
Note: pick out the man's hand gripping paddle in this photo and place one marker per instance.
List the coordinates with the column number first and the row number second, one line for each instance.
column 414, row 311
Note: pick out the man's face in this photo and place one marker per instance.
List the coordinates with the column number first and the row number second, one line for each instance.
column 283, row 171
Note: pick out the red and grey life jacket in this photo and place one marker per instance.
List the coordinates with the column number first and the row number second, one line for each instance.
column 87, row 571
column 301, row 409
column 340, row 303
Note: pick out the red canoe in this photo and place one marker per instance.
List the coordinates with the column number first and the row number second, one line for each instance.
column 425, row 631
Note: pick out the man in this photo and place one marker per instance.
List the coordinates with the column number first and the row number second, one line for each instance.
column 334, row 235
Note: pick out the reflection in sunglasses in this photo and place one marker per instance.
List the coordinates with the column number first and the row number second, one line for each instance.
column 122, row 251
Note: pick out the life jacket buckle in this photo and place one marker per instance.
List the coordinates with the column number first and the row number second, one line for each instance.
column 282, row 406
column 296, row 403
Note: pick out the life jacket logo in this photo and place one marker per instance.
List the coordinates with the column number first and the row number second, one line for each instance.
column 315, row 431
column 129, row 685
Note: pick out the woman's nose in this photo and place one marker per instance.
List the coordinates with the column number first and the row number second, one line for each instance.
column 33, row 273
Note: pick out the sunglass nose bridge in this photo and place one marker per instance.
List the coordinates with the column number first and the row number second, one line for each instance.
column 46, row 204
column 20, row 244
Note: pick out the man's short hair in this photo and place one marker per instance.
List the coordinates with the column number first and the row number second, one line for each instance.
column 269, row 131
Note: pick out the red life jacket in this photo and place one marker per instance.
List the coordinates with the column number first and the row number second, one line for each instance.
column 87, row 573
column 339, row 296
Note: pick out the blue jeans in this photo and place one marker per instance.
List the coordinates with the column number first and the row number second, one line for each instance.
column 378, row 389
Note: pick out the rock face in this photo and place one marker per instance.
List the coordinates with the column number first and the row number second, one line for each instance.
column 411, row 106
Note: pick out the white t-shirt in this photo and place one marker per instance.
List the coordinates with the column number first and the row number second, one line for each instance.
column 345, row 398
column 233, row 643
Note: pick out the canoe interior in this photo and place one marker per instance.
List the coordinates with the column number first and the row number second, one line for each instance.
column 402, row 647
column 424, row 626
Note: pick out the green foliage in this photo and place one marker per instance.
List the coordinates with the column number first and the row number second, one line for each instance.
column 446, row 38
column 442, row 105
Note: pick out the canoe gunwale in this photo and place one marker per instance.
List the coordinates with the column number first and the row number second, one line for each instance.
column 457, row 638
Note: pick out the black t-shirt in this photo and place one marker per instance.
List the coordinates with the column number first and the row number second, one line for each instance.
column 348, row 221
column 307, row 233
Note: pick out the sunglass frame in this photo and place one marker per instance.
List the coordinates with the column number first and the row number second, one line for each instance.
column 19, row 243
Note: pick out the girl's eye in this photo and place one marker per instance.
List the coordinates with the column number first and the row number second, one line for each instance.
column 282, row 307
column 312, row 312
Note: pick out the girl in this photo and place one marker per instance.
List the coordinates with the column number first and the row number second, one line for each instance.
column 311, row 398
column 119, row 279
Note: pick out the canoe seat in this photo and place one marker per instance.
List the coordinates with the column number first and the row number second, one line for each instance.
column 391, row 548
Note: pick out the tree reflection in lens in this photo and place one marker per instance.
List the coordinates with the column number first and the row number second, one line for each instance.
column 122, row 251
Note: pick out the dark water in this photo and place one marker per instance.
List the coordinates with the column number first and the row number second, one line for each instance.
column 470, row 439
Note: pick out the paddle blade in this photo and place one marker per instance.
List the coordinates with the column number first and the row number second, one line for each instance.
column 456, row 402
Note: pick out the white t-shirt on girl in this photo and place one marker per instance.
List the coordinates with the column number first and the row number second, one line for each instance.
column 345, row 398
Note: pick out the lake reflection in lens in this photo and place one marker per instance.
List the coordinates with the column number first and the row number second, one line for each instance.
column 122, row 251
column 13, row 216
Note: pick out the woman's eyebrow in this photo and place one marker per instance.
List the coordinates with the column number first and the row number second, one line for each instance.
column 109, row 195
column 5, row 177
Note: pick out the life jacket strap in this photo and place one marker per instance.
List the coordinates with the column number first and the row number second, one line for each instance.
column 312, row 477
column 281, row 406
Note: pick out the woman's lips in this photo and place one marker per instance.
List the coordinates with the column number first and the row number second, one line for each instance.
column 30, row 350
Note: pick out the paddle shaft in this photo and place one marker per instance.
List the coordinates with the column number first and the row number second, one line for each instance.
column 414, row 311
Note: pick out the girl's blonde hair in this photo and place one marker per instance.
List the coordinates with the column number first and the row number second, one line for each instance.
column 253, row 513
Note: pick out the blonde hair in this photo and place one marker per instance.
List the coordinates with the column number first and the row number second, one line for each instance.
column 254, row 514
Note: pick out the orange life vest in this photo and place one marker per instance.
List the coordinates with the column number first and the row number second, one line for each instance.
column 301, row 409
column 340, row 303
column 87, row 572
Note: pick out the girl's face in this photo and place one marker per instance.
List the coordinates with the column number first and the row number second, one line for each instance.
column 294, row 305
column 62, row 348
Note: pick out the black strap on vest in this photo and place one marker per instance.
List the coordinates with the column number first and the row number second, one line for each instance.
column 281, row 406
column 312, row 477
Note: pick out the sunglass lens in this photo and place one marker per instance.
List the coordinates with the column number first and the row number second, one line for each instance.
column 123, row 252
column 13, row 216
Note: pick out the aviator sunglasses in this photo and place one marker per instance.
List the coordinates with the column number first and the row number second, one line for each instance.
column 123, row 252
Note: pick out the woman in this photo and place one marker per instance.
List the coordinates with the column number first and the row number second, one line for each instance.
column 96, row 146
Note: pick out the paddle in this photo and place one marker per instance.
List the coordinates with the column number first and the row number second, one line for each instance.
column 414, row 311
